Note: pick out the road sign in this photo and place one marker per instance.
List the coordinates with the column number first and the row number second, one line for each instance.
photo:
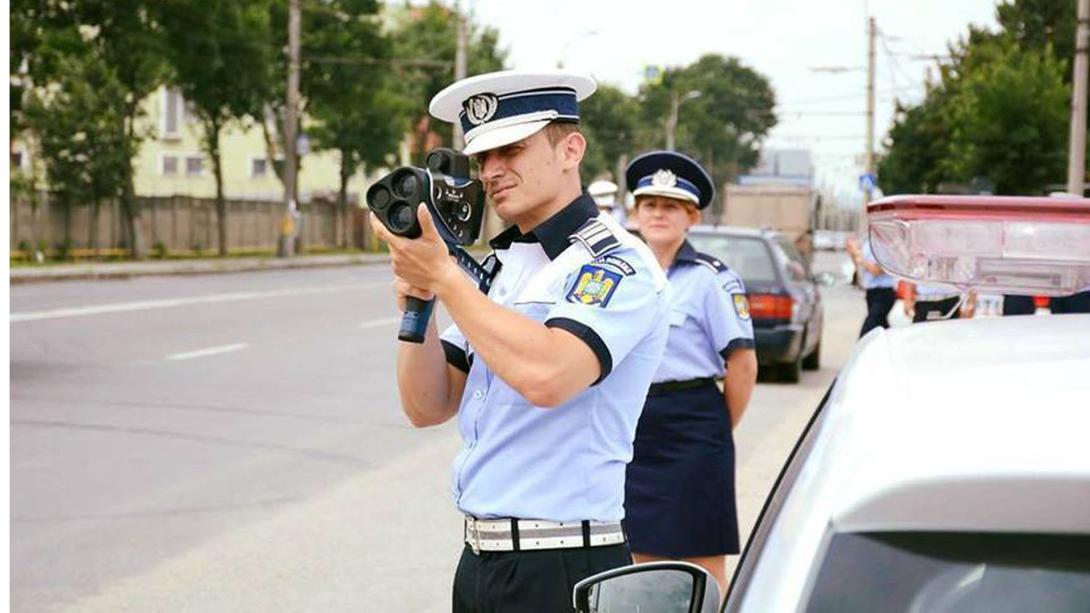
column 868, row 182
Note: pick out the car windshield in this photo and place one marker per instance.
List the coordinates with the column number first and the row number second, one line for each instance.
column 747, row 256
column 953, row 573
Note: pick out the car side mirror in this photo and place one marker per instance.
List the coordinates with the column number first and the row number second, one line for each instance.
column 825, row 279
column 664, row 587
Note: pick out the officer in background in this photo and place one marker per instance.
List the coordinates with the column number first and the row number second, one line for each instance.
column 928, row 302
column 679, row 496
column 605, row 196
column 880, row 286
column 548, row 372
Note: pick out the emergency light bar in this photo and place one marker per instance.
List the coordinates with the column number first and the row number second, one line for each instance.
column 995, row 244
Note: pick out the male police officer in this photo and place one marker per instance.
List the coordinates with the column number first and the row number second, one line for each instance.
column 548, row 372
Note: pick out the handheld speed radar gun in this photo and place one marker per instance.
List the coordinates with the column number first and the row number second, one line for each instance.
column 456, row 203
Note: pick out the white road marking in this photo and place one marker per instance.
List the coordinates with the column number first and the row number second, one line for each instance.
column 378, row 323
column 200, row 353
column 143, row 305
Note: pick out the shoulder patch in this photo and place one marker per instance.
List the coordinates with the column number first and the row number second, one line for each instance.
column 711, row 262
column 741, row 306
column 616, row 262
column 594, row 286
column 596, row 237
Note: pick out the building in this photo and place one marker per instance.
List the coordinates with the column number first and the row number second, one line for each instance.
column 171, row 161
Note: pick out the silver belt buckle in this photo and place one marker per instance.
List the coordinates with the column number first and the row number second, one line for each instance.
column 475, row 542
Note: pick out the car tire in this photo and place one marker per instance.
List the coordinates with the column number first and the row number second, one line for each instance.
column 791, row 372
column 813, row 361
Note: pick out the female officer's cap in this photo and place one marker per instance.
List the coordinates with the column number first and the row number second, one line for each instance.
column 671, row 175
column 500, row 108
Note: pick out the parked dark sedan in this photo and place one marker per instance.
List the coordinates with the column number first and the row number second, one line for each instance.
column 784, row 300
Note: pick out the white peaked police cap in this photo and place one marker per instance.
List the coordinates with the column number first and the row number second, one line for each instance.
column 500, row 108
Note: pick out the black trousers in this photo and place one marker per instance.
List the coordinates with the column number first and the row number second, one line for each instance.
column 937, row 309
column 1075, row 303
column 879, row 302
column 1023, row 305
column 1018, row 305
column 531, row 581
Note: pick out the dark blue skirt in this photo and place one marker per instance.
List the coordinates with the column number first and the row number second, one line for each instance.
column 679, row 488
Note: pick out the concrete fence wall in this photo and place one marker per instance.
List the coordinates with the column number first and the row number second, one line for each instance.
column 182, row 224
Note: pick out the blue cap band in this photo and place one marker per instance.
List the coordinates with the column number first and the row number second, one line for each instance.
column 487, row 108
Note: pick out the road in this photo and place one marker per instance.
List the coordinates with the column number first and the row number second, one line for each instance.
column 234, row 443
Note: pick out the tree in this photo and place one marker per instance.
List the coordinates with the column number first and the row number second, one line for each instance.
column 610, row 121
column 916, row 145
column 999, row 114
column 80, row 125
column 424, row 42
column 1010, row 120
column 722, row 126
column 347, row 84
column 123, row 34
column 219, row 54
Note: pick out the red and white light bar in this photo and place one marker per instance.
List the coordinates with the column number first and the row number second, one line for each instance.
column 995, row 244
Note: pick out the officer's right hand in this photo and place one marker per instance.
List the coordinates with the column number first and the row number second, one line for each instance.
column 403, row 288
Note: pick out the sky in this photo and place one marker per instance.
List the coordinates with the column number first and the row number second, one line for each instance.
column 785, row 40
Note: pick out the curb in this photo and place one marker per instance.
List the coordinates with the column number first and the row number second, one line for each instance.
column 126, row 270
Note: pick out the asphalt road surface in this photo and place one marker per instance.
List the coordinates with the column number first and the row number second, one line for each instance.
column 234, row 443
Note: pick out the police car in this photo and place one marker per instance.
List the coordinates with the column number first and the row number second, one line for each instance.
column 948, row 468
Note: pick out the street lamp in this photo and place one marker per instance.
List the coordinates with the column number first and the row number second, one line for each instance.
column 671, row 121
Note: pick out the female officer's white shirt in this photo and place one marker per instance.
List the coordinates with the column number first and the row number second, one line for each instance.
column 709, row 317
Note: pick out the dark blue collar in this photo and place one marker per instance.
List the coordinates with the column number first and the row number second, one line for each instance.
column 686, row 253
column 554, row 232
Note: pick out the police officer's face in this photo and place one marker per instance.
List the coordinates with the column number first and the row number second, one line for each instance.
column 519, row 178
column 664, row 221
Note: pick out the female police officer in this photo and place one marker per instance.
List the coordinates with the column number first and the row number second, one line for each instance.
column 679, row 492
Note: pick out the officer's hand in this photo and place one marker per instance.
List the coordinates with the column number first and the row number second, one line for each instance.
column 403, row 288
column 910, row 309
column 422, row 262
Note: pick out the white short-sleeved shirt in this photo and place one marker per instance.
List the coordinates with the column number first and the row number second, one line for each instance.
column 709, row 318
column 581, row 272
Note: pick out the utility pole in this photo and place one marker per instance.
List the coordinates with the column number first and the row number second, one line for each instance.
column 459, row 70
column 869, row 153
column 671, row 121
column 286, row 246
column 1076, row 156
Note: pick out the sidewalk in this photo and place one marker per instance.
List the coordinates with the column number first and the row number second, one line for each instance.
column 123, row 270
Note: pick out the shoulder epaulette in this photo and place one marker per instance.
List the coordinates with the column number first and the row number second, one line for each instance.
column 711, row 262
column 597, row 238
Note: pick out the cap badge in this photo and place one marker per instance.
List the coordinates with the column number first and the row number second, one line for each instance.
column 664, row 178
column 480, row 108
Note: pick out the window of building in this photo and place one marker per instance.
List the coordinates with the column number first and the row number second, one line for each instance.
column 16, row 160
column 259, row 168
column 173, row 108
column 194, row 165
column 170, row 165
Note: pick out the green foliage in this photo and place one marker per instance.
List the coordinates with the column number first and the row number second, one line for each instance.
column 423, row 42
column 724, row 126
column 1010, row 122
column 610, row 121
column 79, row 122
column 219, row 56
column 999, row 115
column 347, row 82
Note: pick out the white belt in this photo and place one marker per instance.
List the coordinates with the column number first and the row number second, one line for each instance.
column 531, row 534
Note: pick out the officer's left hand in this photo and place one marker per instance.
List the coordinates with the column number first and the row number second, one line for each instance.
column 423, row 262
